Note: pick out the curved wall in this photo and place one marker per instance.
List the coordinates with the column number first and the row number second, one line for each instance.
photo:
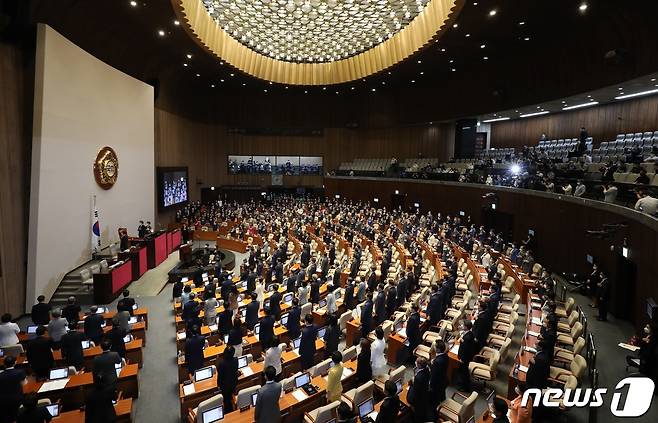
column 559, row 223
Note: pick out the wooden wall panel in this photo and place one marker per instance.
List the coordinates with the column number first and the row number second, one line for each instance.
column 557, row 224
column 602, row 122
column 16, row 80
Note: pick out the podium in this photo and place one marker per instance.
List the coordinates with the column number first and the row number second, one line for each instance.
column 156, row 249
column 109, row 283
column 137, row 256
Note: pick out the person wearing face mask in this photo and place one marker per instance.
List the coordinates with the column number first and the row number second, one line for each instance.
column 519, row 413
column 418, row 395
column 643, row 362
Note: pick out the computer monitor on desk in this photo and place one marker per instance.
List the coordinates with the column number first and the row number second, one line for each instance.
column 302, row 380
column 85, row 344
column 242, row 361
column 366, row 407
column 322, row 331
column 284, row 319
column 53, row 410
column 58, row 373
column 287, row 299
column 257, row 328
column 203, row 374
column 296, row 342
column 254, row 397
column 213, row 415
column 322, row 303
column 32, row 330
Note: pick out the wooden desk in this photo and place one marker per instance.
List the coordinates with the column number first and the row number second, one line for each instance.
column 73, row 394
column 137, row 256
column 123, row 409
column 156, row 252
column 231, row 244
column 108, row 284
column 523, row 357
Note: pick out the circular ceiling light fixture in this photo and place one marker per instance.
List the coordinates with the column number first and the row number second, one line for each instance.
column 264, row 37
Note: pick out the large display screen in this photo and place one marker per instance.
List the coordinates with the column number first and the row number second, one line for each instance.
column 277, row 165
column 172, row 186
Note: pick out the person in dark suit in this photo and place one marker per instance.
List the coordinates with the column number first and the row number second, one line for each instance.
column 94, row 325
column 371, row 283
column 603, row 294
column 227, row 377
column 467, row 349
column 434, row 306
column 380, row 306
column 103, row 365
column 71, row 310
column 278, row 271
column 539, row 369
column 307, row 343
column 225, row 321
column 40, row 354
column 126, row 303
column 315, row 290
column 275, row 302
column 291, row 282
column 331, row 336
column 41, row 311
column 210, row 289
column 198, row 278
column 251, row 316
column 71, row 346
column 391, row 300
column 115, row 336
column 98, row 403
column 363, row 365
column 32, row 412
column 348, row 299
column 251, row 280
column 266, row 333
column 294, row 319
column 194, row 344
column 388, row 413
column 413, row 328
column 267, row 402
column 438, row 375
column 366, row 316
column 402, row 290
column 418, row 395
column 11, row 390
column 177, row 290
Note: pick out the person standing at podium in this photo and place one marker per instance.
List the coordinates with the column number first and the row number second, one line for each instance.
column 141, row 229
column 124, row 241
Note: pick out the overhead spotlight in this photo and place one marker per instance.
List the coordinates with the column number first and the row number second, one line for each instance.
column 413, row 81
column 198, row 74
column 443, row 50
column 522, row 23
column 212, row 85
column 189, row 56
column 455, row 25
column 221, row 80
column 582, row 7
column 305, row 92
column 468, row 35
column 133, row 3
column 176, row 22
column 526, row 39
column 453, row 70
column 185, row 64
column 212, row 188
column 483, row 45
column 515, row 169
column 419, row 62
column 161, row 33
column 653, row 79
column 492, row 12
column 374, row 89
column 264, row 91
column 232, row 74
column 486, row 58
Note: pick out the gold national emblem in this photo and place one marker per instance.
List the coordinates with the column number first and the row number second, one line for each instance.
column 106, row 168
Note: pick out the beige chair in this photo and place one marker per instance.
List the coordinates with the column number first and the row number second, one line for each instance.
column 393, row 374
column 12, row 350
column 513, row 306
column 244, row 396
column 485, row 371
column 502, row 326
column 565, row 355
column 508, row 284
column 306, row 309
column 356, row 396
column 496, row 341
column 564, row 310
column 577, row 368
column 571, row 320
column 536, row 270
column 455, row 411
column 502, row 349
column 568, row 338
column 288, row 384
column 207, row 405
column 343, row 319
column 349, row 354
column 320, row 368
column 322, row 414
column 95, row 268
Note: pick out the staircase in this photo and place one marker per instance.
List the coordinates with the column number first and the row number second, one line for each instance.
column 71, row 284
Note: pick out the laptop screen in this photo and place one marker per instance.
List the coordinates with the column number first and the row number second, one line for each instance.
column 185, row 279
column 284, row 319
column 213, row 415
column 322, row 303
column 53, row 409
column 204, row 276
column 366, row 407
column 301, row 380
column 398, row 384
column 85, row 344
column 242, row 361
column 101, row 310
column 257, row 328
column 32, row 329
column 254, row 397
column 266, row 303
column 118, row 365
column 399, row 325
column 135, row 306
column 203, row 374
column 287, row 298
column 322, row 331
column 132, row 320
column 128, row 338
column 243, row 312
column 337, row 294
column 59, row 373
column 296, row 342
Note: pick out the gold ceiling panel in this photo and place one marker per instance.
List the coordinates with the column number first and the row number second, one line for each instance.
column 435, row 18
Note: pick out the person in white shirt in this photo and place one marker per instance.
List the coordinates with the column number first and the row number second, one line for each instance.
column 377, row 357
column 260, row 292
column 609, row 193
column 210, row 310
column 302, row 293
column 273, row 355
column 646, row 203
column 567, row 189
column 580, row 189
column 58, row 326
column 486, row 258
column 8, row 331
column 331, row 300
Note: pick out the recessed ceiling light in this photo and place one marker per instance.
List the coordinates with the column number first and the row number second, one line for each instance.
column 336, row 92
column 493, row 12
column 413, row 81
column 133, row 3
column 641, row 93
column 539, row 107
column 212, row 85
column 455, row 25
column 383, row 82
column 486, row 57
column 453, row 69
column 563, row 102
column 582, row 7
column 620, row 88
column 483, row 45
column 527, row 38
column 324, row 88
column 352, row 88
column 286, row 87
column 232, row 74
column 189, row 56
column 374, row 89
column 198, row 74
column 265, row 90
column 244, row 84
column 185, row 64
column 451, row 60
column 161, row 33
column 419, row 62
column 475, row 3
column 443, row 50
column 176, row 22
column 468, row 35
column 653, row 79
column 522, row 23
column 389, row 72
column 221, row 80
column 270, row 82
column 422, row 73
